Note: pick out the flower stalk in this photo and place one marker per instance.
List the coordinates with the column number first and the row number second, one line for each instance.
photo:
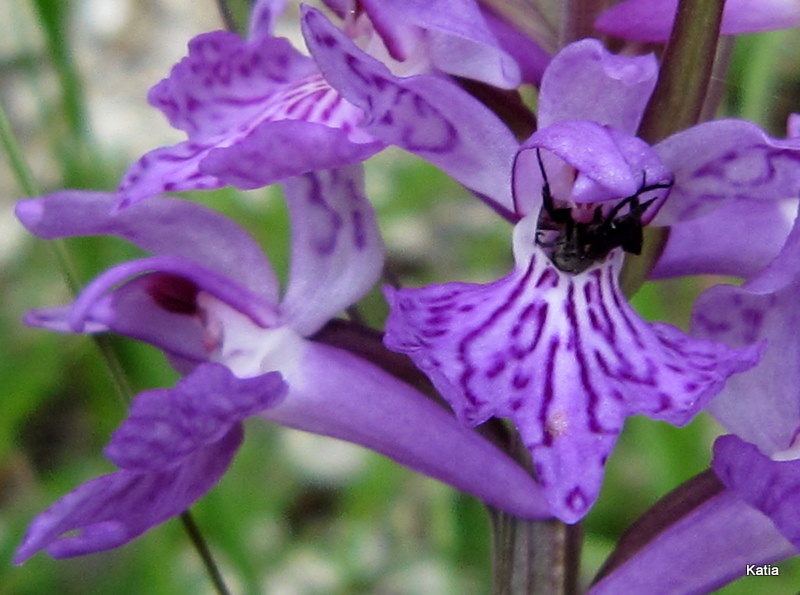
column 676, row 104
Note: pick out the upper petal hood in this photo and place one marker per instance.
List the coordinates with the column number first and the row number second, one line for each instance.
column 585, row 81
column 598, row 163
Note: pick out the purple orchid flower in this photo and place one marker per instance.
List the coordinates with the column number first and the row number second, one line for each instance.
column 755, row 520
column 208, row 297
column 556, row 348
column 760, row 460
column 651, row 20
column 257, row 111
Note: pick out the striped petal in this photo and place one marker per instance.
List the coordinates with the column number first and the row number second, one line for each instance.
column 564, row 357
column 424, row 114
column 255, row 113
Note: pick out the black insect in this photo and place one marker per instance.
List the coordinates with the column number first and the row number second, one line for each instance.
column 578, row 245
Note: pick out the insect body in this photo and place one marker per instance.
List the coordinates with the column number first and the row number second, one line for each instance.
column 578, row 244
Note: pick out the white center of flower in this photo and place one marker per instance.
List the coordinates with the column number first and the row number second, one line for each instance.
column 247, row 349
column 790, row 454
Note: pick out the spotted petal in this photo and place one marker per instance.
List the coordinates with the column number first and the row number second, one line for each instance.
column 564, row 356
column 232, row 97
column 173, row 448
column 423, row 114
column 337, row 252
column 225, row 82
column 761, row 406
column 263, row 17
column 718, row 162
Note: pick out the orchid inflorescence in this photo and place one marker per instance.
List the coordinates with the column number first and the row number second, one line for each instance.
column 553, row 348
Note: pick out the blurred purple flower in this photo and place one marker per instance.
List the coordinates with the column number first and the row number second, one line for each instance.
column 208, row 295
column 702, row 544
column 651, row 20
column 760, row 461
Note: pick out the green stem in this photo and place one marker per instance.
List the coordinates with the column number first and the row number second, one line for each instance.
column 235, row 14
column 201, row 546
column 27, row 182
column 761, row 73
column 534, row 557
column 676, row 104
column 226, row 14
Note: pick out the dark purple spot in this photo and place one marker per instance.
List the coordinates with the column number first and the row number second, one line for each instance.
column 576, row 500
column 173, row 293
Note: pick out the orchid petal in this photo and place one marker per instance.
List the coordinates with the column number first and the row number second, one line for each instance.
column 761, row 406
column 337, row 394
column 169, row 169
column 277, row 151
column 564, row 356
column 724, row 160
column 113, row 509
column 224, row 82
column 771, row 487
column 165, row 426
column 458, row 40
column 700, row 552
column 232, row 97
column 164, row 226
column 263, row 16
column 157, row 308
column 722, row 242
column 424, row 115
column 610, row 165
column 337, row 252
column 651, row 20
column 531, row 57
column 586, row 82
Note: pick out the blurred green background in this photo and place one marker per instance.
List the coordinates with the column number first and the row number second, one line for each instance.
column 296, row 514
